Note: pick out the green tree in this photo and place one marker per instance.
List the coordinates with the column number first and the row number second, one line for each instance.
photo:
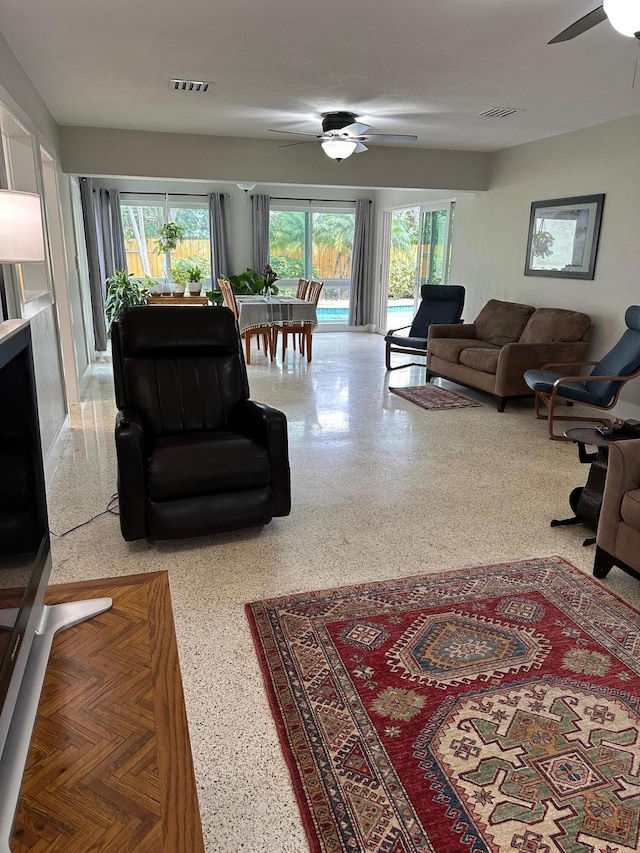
column 336, row 231
column 286, row 230
column 405, row 232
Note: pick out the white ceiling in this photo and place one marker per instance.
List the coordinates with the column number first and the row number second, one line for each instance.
column 425, row 67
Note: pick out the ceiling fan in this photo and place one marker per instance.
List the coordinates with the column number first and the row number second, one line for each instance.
column 342, row 135
column 623, row 15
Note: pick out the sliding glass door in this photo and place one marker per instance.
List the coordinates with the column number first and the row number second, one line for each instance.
column 419, row 252
column 434, row 252
column 314, row 244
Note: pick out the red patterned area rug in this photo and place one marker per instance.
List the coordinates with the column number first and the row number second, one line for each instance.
column 487, row 709
column 432, row 397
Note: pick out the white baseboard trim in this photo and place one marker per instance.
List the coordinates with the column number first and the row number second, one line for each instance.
column 56, row 450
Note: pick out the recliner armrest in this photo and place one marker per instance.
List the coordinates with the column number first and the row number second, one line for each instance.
column 132, row 492
column 267, row 426
column 452, row 330
column 623, row 475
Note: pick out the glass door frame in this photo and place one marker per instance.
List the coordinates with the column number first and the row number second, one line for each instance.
column 384, row 249
column 449, row 206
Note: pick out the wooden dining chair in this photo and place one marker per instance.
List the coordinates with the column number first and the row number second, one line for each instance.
column 260, row 332
column 295, row 329
column 313, row 295
column 303, row 287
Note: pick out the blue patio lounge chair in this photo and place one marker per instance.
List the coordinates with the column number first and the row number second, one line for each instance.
column 441, row 303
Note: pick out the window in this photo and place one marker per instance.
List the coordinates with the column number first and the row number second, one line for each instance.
column 143, row 217
column 314, row 244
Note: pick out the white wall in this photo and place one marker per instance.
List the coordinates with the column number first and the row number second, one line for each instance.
column 102, row 151
column 19, row 96
column 491, row 230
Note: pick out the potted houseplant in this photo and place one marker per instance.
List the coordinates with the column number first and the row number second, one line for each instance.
column 194, row 278
column 249, row 282
column 170, row 235
column 215, row 297
column 123, row 291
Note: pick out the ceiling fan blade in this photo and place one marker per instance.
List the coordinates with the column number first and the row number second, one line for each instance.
column 390, row 137
column 360, row 147
column 581, row 26
column 291, row 144
column 296, row 132
column 355, row 129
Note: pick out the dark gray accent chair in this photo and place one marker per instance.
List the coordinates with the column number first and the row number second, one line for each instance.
column 195, row 455
column 600, row 388
column 441, row 303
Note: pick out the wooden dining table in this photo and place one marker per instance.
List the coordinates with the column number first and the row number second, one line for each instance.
column 256, row 311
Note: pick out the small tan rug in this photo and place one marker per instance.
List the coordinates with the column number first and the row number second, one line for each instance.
column 432, row 397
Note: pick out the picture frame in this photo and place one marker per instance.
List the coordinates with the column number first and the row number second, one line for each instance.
column 563, row 237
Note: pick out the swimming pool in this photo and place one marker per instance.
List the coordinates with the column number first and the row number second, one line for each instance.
column 336, row 314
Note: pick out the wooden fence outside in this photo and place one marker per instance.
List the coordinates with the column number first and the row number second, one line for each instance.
column 326, row 259
column 185, row 249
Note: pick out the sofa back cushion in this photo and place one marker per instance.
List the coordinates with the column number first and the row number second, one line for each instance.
column 502, row 323
column 550, row 325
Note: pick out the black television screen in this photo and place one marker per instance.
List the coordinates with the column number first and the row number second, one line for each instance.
column 27, row 625
column 24, row 535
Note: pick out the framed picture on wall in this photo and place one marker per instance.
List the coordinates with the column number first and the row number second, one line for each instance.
column 563, row 237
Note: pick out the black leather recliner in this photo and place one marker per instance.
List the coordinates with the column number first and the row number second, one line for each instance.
column 195, row 454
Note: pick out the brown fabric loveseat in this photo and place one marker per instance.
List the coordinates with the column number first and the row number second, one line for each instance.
column 506, row 339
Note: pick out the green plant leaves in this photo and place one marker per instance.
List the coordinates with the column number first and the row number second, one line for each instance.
column 123, row 291
column 170, row 235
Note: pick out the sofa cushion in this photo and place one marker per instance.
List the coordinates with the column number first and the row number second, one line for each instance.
column 549, row 325
column 482, row 359
column 449, row 349
column 630, row 508
column 502, row 322
column 207, row 463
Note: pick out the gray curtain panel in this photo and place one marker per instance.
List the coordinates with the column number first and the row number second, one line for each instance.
column 260, row 205
column 360, row 300
column 219, row 232
column 97, row 288
column 105, row 249
column 110, row 221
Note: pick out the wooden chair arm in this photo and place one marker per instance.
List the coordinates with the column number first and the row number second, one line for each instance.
column 393, row 331
column 569, row 364
column 593, row 379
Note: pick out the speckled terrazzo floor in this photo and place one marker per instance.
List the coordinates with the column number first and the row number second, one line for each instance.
column 381, row 488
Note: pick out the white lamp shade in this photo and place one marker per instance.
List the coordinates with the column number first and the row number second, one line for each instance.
column 624, row 15
column 246, row 186
column 339, row 149
column 21, row 239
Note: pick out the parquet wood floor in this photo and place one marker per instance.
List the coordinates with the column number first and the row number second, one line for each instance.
column 110, row 762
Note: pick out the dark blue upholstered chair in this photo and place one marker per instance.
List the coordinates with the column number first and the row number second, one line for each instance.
column 441, row 303
column 600, row 388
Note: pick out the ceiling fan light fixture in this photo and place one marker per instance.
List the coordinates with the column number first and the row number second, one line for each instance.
column 624, row 16
column 339, row 149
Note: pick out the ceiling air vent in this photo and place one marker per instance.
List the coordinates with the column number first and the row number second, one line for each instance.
column 500, row 112
column 189, row 85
